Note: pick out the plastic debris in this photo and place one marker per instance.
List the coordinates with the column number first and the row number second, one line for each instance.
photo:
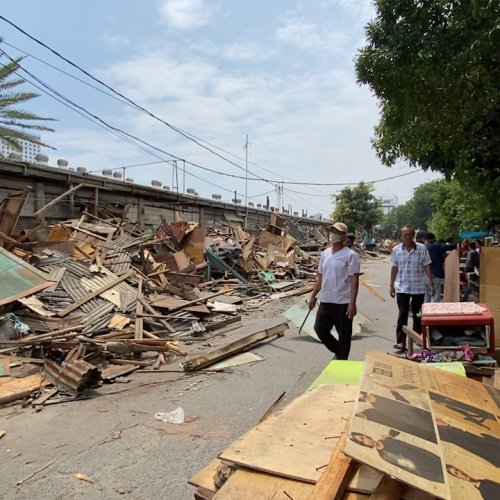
column 172, row 417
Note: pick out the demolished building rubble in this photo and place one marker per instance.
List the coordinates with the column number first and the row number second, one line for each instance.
column 88, row 300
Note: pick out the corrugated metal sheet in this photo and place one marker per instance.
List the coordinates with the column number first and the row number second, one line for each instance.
column 120, row 264
column 73, row 286
column 78, row 268
column 98, row 318
column 122, row 295
column 74, row 377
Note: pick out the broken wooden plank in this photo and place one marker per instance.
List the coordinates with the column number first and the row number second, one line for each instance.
column 57, row 200
column 51, row 335
column 4, row 367
column 139, row 321
column 40, row 401
column 10, row 210
column 12, row 389
column 95, row 293
column 259, row 331
column 246, row 484
column 334, row 479
column 201, row 299
column 299, row 440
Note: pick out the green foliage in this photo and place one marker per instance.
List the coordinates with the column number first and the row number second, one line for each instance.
column 15, row 124
column 445, row 208
column 435, row 67
column 461, row 208
column 357, row 207
column 417, row 211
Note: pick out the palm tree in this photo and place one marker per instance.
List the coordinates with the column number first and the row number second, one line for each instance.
column 15, row 124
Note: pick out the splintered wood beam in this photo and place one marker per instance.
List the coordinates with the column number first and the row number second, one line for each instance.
column 57, row 200
column 260, row 332
column 336, row 475
column 139, row 321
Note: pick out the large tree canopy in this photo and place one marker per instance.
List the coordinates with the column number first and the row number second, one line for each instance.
column 357, row 207
column 16, row 124
column 435, row 67
column 445, row 208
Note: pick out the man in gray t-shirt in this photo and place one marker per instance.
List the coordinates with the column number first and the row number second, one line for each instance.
column 337, row 284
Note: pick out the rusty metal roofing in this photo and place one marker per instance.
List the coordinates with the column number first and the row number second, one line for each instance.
column 74, row 377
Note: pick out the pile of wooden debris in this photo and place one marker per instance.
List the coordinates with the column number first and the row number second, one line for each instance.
column 408, row 431
column 95, row 298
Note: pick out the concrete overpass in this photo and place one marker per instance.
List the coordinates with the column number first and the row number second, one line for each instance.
column 146, row 204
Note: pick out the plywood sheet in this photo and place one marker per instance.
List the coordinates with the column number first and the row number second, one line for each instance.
column 251, row 485
column 10, row 387
column 451, row 292
column 423, row 426
column 205, row 477
column 299, row 440
column 489, row 284
column 194, row 245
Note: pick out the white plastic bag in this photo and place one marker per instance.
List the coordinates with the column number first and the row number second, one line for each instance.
column 172, row 417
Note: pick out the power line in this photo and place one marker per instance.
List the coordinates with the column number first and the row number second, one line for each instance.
column 187, row 135
column 130, row 101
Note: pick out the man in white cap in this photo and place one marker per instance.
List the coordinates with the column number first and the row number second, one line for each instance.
column 337, row 283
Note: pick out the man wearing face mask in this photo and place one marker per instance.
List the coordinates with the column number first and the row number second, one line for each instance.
column 337, row 283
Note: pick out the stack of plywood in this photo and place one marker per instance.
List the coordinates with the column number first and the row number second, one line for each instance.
column 408, row 431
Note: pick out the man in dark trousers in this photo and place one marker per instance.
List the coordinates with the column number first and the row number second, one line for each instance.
column 410, row 268
column 437, row 252
column 337, row 283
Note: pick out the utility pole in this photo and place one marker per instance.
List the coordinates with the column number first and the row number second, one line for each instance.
column 246, row 183
column 183, row 176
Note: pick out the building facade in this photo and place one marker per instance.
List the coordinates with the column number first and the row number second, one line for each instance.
column 28, row 150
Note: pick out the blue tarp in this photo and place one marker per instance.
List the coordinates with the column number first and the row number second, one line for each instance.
column 473, row 234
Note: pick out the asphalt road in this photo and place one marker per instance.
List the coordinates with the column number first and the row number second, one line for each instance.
column 115, row 440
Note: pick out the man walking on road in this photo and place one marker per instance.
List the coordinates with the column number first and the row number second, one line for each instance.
column 410, row 266
column 337, row 283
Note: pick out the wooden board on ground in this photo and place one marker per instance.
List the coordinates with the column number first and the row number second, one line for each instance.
column 335, row 476
column 299, row 440
column 12, row 389
column 246, row 484
column 254, row 333
column 429, row 428
column 489, row 284
column 205, row 477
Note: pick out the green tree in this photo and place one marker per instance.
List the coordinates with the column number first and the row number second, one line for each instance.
column 461, row 208
column 393, row 221
column 16, row 124
column 445, row 208
column 417, row 211
column 357, row 207
column 434, row 65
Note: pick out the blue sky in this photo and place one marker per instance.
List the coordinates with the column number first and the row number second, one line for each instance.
column 281, row 72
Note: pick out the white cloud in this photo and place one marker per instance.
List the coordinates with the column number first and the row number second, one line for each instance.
column 186, row 14
column 310, row 36
column 238, row 51
column 115, row 41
